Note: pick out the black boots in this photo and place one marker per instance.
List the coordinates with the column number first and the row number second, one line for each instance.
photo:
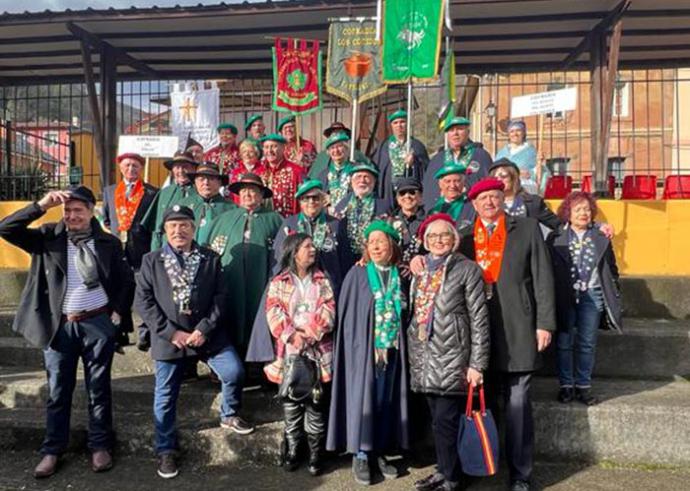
column 316, row 451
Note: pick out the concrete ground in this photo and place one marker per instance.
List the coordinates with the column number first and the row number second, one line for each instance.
column 139, row 474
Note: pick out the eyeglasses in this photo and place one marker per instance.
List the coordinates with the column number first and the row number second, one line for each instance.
column 442, row 237
column 503, row 175
column 311, row 197
column 408, row 192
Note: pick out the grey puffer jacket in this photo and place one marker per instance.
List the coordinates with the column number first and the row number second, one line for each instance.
column 460, row 335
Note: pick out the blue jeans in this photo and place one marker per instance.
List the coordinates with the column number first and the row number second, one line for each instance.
column 226, row 364
column 576, row 343
column 92, row 340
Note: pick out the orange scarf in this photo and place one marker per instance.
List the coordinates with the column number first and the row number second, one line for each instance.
column 125, row 207
column 489, row 251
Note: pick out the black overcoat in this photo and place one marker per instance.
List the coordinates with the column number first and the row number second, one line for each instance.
column 479, row 165
column 382, row 160
column 39, row 313
column 351, row 423
column 523, row 297
column 138, row 238
column 608, row 277
column 154, row 303
column 537, row 209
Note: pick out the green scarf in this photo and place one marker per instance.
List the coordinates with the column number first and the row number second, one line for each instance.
column 338, row 181
column 465, row 157
column 454, row 209
column 397, row 151
column 387, row 307
column 318, row 232
column 359, row 213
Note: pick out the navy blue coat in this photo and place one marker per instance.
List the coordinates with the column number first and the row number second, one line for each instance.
column 351, row 423
column 383, row 161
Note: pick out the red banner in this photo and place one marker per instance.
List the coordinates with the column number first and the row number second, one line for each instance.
column 296, row 76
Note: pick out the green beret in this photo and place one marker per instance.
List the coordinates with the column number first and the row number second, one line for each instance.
column 227, row 126
column 364, row 166
column 450, row 168
column 274, row 137
column 382, row 226
column 336, row 138
column 307, row 186
column 284, row 121
column 399, row 114
column 251, row 121
column 456, row 121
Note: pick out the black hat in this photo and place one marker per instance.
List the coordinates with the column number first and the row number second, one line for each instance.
column 181, row 158
column 209, row 169
column 407, row 183
column 250, row 179
column 178, row 212
column 81, row 193
column 503, row 162
column 191, row 142
column 337, row 126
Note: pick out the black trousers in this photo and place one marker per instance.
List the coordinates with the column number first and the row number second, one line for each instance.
column 514, row 390
column 306, row 417
column 445, row 420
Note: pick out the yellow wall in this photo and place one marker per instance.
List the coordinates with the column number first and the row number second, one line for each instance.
column 652, row 237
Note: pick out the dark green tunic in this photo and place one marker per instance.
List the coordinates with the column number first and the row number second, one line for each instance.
column 205, row 211
column 166, row 197
column 245, row 244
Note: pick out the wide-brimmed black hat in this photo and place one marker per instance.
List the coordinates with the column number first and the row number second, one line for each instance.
column 178, row 212
column 181, row 158
column 81, row 193
column 250, row 179
column 337, row 126
column 209, row 169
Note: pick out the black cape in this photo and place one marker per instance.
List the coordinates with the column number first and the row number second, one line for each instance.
column 350, row 423
column 386, row 181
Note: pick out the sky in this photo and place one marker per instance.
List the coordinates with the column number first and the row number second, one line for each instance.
column 59, row 5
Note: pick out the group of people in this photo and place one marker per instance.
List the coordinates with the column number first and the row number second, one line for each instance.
column 361, row 286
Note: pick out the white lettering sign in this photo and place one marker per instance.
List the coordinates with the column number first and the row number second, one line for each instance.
column 148, row 146
column 552, row 101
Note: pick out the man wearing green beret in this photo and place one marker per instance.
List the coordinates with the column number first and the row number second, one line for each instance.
column 282, row 176
column 360, row 206
column 461, row 150
column 226, row 155
column 255, row 128
column 395, row 160
column 335, row 177
column 208, row 202
column 453, row 198
column 322, row 158
column 302, row 155
column 328, row 233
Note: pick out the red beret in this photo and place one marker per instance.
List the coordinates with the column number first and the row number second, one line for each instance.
column 486, row 184
column 131, row 155
column 432, row 218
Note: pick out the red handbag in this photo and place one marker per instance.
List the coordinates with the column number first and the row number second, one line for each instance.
column 478, row 439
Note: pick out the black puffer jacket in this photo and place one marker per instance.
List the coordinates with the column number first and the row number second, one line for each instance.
column 460, row 335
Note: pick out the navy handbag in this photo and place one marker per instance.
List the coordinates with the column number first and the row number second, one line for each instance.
column 478, row 439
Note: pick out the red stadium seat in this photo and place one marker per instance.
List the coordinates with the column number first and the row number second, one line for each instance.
column 639, row 187
column 677, row 187
column 586, row 185
column 558, row 187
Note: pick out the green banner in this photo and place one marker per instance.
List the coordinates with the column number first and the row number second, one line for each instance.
column 354, row 56
column 411, row 39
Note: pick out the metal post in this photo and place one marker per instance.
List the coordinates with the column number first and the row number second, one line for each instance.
column 109, row 114
column 355, row 104
column 8, row 147
column 597, row 58
column 409, row 115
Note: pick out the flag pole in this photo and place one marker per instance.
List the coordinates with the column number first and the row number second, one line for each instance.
column 409, row 114
column 297, row 132
column 452, row 107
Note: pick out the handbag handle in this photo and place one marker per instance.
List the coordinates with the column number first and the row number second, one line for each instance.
column 482, row 403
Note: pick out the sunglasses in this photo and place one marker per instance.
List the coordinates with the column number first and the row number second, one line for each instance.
column 408, row 192
column 311, row 197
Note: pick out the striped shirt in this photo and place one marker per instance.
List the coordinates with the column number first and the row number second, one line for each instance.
column 77, row 297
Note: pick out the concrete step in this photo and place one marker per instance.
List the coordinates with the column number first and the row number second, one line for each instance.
column 637, row 422
column 647, row 349
column 22, row 388
column 643, row 296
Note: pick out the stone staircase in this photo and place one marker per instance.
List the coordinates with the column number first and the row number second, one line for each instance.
column 641, row 378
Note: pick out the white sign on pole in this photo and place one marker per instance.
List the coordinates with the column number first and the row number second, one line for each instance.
column 195, row 113
column 148, row 146
column 552, row 101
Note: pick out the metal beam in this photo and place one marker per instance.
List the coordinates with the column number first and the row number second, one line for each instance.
column 109, row 114
column 603, row 26
column 100, row 45
column 93, row 103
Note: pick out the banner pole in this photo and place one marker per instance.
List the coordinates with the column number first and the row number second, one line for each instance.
column 146, row 170
column 355, row 103
column 409, row 114
column 297, row 132
column 452, row 107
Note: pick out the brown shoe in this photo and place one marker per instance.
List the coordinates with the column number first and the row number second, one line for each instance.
column 46, row 467
column 101, row 461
